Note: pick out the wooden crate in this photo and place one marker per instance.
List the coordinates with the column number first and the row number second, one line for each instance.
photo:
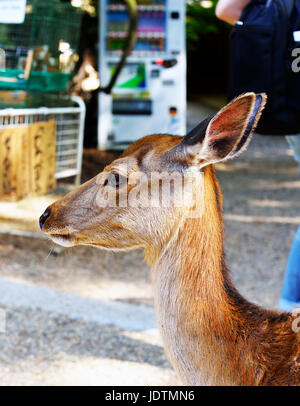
column 27, row 160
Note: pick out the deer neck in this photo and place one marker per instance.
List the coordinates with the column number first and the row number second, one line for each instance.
column 196, row 313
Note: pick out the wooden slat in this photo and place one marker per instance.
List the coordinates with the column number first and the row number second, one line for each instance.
column 50, row 155
column 23, row 163
column 8, row 164
column 42, row 156
column 27, row 160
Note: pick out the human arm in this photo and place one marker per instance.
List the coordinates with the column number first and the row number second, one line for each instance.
column 230, row 10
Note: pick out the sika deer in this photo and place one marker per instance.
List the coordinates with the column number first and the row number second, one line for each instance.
column 213, row 336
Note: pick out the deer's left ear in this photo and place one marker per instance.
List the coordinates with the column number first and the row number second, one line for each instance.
column 226, row 134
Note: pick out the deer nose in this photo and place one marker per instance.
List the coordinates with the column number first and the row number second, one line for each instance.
column 44, row 217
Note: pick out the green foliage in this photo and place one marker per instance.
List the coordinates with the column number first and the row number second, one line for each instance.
column 90, row 7
column 201, row 21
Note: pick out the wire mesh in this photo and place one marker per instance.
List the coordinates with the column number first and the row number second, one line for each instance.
column 69, row 133
column 47, row 25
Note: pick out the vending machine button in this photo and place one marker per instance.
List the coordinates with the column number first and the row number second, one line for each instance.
column 175, row 15
column 166, row 63
column 173, row 111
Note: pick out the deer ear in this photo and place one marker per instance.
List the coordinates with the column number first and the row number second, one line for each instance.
column 226, row 134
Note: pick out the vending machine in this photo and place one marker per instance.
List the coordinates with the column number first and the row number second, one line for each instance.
column 150, row 94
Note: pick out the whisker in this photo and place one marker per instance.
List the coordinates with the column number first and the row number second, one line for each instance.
column 50, row 252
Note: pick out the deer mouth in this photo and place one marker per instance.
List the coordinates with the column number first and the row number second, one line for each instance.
column 66, row 240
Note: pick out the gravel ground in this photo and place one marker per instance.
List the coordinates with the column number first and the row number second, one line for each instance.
column 46, row 347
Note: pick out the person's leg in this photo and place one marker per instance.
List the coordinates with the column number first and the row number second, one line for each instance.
column 290, row 295
column 294, row 143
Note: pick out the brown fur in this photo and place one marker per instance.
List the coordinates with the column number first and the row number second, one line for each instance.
column 239, row 343
column 212, row 335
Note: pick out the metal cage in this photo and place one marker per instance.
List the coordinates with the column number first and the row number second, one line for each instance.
column 69, row 133
column 40, row 54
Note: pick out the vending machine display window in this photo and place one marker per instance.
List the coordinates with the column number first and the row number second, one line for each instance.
column 150, row 93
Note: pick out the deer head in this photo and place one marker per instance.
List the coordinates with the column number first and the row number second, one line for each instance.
column 103, row 211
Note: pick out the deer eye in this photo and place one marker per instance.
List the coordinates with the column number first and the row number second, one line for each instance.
column 115, row 180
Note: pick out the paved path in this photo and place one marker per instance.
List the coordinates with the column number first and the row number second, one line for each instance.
column 124, row 315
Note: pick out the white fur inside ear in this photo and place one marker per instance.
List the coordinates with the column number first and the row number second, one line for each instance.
column 202, row 154
column 192, row 149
